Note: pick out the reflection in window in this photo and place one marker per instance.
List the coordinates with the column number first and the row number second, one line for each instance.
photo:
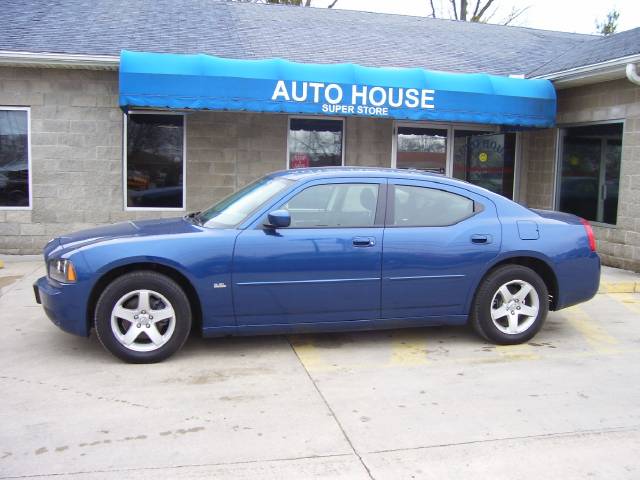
column 14, row 158
column 485, row 159
column 334, row 205
column 590, row 176
column 155, row 160
column 428, row 207
column 422, row 148
column 315, row 143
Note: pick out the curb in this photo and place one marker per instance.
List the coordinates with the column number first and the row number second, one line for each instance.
column 1, row 264
column 619, row 287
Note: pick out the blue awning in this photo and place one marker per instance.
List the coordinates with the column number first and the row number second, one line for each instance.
column 203, row 82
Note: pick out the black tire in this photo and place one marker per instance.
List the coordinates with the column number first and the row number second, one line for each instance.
column 481, row 310
column 157, row 283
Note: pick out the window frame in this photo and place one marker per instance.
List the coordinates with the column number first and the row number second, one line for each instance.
column 125, row 162
column 557, row 164
column 314, row 117
column 381, row 202
column 478, row 207
column 29, row 164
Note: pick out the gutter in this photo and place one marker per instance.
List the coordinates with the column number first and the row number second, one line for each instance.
column 594, row 73
column 632, row 73
column 59, row 60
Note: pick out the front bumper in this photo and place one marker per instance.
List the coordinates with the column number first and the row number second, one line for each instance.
column 63, row 304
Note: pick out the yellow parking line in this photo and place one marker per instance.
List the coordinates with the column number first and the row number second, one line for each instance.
column 632, row 302
column 600, row 340
column 517, row 352
column 308, row 354
column 618, row 287
column 408, row 350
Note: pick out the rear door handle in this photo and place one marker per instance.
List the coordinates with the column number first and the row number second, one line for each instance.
column 480, row 238
column 364, row 241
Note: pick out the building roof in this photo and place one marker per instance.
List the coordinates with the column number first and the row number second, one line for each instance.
column 252, row 31
column 600, row 50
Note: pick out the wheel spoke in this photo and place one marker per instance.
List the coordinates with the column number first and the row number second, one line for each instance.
column 513, row 323
column 143, row 300
column 163, row 314
column 523, row 292
column 499, row 312
column 506, row 294
column 124, row 313
column 131, row 335
column 154, row 335
column 529, row 311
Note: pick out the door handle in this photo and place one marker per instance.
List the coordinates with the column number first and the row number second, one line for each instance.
column 480, row 238
column 364, row 241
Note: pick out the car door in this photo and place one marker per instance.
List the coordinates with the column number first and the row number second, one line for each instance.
column 324, row 267
column 437, row 241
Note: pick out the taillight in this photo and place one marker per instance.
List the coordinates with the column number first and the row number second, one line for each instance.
column 590, row 235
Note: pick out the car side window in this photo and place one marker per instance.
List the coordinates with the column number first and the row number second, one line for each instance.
column 428, row 207
column 334, row 205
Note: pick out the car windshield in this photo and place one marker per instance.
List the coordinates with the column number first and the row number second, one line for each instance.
column 235, row 208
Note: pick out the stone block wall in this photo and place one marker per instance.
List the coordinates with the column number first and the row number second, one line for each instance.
column 618, row 245
column 77, row 153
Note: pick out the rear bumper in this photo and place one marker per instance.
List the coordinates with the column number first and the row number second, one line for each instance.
column 63, row 305
column 578, row 280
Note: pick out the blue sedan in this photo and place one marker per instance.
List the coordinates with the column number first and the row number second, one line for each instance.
column 329, row 249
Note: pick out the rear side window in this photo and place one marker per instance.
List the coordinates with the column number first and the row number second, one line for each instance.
column 334, row 205
column 428, row 207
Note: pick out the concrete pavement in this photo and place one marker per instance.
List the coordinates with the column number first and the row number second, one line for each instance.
column 420, row 403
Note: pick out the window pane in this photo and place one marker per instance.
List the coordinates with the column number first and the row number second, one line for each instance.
column 590, row 173
column 315, row 143
column 14, row 159
column 155, row 160
column 336, row 205
column 422, row 148
column 428, row 207
column 485, row 159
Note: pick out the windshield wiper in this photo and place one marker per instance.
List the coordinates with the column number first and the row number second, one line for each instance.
column 194, row 216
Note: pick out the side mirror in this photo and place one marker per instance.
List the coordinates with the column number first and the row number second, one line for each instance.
column 278, row 219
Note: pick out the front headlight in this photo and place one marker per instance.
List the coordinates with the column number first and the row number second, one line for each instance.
column 62, row 270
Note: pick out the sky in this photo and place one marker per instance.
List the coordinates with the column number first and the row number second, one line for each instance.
column 577, row 16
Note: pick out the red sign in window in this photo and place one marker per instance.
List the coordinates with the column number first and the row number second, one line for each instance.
column 300, row 160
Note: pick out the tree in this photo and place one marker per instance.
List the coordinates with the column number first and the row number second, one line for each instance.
column 610, row 24
column 483, row 11
column 298, row 3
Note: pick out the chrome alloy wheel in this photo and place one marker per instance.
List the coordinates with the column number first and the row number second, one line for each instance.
column 514, row 307
column 143, row 320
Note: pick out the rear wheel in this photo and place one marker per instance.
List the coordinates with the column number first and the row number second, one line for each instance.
column 143, row 317
column 511, row 305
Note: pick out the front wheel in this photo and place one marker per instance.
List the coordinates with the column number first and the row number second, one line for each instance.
column 511, row 305
column 143, row 317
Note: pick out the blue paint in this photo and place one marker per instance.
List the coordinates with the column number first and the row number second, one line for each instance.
column 202, row 82
column 316, row 279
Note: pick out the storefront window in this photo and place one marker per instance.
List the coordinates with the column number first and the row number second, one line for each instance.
column 155, row 161
column 422, row 148
column 315, row 142
column 590, row 171
column 14, row 158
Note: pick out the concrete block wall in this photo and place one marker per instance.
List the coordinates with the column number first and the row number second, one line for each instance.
column 618, row 245
column 76, row 153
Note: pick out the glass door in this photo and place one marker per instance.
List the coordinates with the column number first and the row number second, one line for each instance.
column 485, row 159
column 590, row 171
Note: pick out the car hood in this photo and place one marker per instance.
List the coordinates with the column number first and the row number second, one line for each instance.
column 143, row 228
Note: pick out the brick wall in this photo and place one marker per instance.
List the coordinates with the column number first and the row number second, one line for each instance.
column 618, row 246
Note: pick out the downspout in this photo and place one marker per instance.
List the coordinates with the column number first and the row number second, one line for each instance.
column 632, row 74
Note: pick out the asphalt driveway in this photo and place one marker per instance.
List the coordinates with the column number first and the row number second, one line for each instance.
column 424, row 403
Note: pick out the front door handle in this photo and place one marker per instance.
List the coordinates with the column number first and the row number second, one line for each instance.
column 480, row 238
column 364, row 241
